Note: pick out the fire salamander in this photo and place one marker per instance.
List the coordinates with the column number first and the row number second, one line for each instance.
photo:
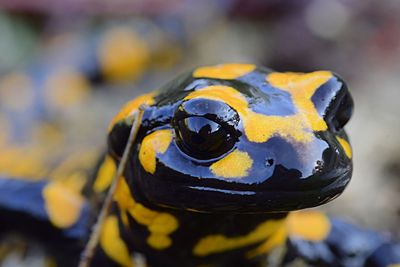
column 222, row 157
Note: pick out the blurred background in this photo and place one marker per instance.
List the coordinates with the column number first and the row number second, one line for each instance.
column 66, row 67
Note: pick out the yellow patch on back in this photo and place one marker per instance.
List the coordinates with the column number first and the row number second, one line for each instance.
column 308, row 225
column 259, row 127
column 62, row 204
column 156, row 142
column 219, row 243
column 346, row 146
column 130, row 107
column 159, row 224
column 235, row 165
column 112, row 244
column 394, row 265
column 159, row 241
column 277, row 239
column 22, row 163
column 105, row 175
column 224, row 71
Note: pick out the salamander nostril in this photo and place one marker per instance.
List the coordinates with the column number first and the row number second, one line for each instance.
column 269, row 162
column 319, row 166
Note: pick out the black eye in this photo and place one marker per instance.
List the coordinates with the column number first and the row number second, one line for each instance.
column 343, row 112
column 202, row 138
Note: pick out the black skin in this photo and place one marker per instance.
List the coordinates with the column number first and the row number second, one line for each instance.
column 212, row 205
column 322, row 185
column 282, row 178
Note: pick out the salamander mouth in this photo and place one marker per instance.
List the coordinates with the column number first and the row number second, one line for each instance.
column 282, row 183
column 232, row 198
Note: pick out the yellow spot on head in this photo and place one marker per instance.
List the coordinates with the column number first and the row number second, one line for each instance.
column 302, row 87
column 235, row 165
column 226, row 94
column 63, row 205
column 308, row 225
column 105, row 175
column 259, row 127
column 112, row 244
column 16, row 91
column 123, row 55
column 156, row 142
column 346, row 147
column 220, row 243
column 224, row 71
column 66, row 87
column 131, row 107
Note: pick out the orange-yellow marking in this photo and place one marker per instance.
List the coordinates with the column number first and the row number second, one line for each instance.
column 22, row 162
column 224, row 71
column 159, row 241
column 308, row 225
column 259, row 127
column 394, row 265
column 346, row 146
column 219, row 243
column 123, row 55
column 159, row 224
column 105, row 175
column 112, row 244
column 235, row 165
column 276, row 240
column 130, row 107
column 156, row 142
column 63, row 204
column 63, row 200
column 302, row 87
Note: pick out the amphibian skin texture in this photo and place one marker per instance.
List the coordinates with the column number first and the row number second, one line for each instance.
column 223, row 155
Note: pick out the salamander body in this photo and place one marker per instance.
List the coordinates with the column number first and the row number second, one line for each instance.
column 223, row 155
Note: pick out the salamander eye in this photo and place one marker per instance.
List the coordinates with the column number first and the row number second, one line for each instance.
column 343, row 112
column 203, row 138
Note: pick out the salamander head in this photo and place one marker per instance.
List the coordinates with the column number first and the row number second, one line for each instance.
column 239, row 138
